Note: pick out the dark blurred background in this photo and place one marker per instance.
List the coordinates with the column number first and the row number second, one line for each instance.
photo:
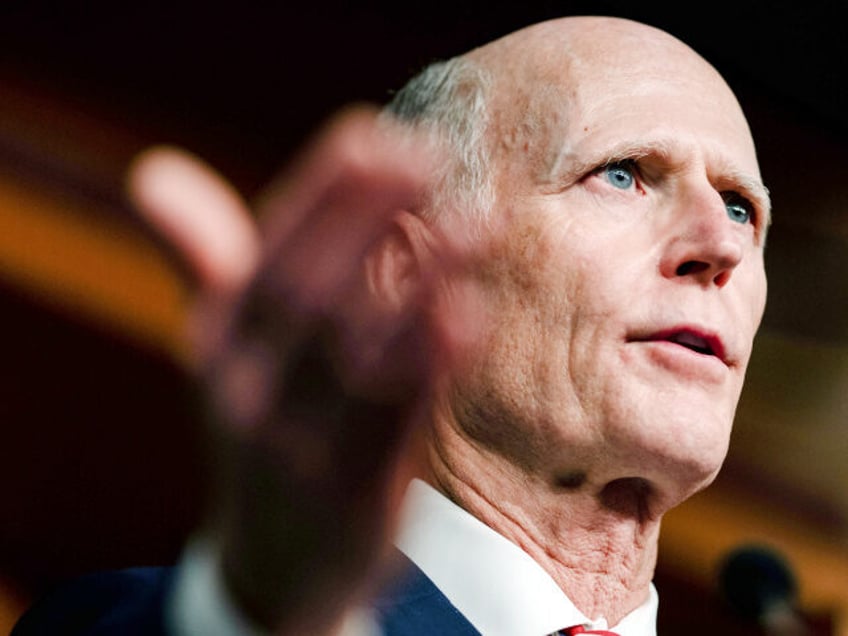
column 99, row 459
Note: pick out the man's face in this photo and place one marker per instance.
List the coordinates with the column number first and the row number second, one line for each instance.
column 627, row 282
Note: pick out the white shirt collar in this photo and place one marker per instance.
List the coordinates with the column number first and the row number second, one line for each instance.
column 497, row 586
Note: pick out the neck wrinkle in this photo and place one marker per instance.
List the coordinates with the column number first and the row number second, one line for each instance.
column 601, row 557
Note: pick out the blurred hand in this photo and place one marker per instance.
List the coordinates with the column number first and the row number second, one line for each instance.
column 318, row 334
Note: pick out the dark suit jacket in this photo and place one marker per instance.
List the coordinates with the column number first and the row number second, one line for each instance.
column 130, row 603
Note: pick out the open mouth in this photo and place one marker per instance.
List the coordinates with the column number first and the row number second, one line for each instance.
column 692, row 341
column 704, row 344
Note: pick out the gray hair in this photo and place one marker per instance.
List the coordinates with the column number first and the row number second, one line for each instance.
column 448, row 99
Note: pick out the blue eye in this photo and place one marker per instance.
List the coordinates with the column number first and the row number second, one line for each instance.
column 620, row 174
column 738, row 208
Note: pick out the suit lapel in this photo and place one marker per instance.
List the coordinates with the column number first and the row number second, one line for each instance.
column 412, row 605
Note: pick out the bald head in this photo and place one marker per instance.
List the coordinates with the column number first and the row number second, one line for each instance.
column 535, row 90
column 580, row 38
column 560, row 55
column 616, row 160
column 554, row 81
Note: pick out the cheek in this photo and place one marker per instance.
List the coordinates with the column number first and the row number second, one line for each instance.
column 549, row 309
column 749, row 301
column 598, row 283
column 556, row 289
column 521, row 365
column 760, row 295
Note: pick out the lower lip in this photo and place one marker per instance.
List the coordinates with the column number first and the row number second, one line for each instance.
column 683, row 361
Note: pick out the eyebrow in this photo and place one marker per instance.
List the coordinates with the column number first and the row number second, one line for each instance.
column 567, row 167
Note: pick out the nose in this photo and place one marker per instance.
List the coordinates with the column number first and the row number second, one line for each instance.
column 705, row 245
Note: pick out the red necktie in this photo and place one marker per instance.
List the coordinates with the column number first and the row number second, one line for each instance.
column 579, row 629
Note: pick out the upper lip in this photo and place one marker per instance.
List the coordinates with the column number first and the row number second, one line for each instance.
column 697, row 339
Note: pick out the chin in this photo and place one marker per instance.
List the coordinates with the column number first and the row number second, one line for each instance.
column 679, row 451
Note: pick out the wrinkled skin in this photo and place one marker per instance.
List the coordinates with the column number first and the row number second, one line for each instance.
column 632, row 215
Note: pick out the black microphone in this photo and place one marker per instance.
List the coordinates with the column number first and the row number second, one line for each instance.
column 758, row 584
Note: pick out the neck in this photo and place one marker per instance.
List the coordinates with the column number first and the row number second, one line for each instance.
column 596, row 537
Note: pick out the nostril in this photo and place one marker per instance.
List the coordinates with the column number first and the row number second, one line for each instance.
column 722, row 277
column 691, row 267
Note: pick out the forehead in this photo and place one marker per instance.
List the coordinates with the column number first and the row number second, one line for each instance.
column 566, row 98
column 676, row 121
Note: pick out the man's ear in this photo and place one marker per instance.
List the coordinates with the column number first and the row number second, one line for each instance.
column 395, row 267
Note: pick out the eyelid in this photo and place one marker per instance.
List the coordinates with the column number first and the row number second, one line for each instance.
column 758, row 218
column 751, row 190
column 629, row 163
column 734, row 196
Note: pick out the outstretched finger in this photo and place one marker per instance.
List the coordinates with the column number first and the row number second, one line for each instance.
column 198, row 213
